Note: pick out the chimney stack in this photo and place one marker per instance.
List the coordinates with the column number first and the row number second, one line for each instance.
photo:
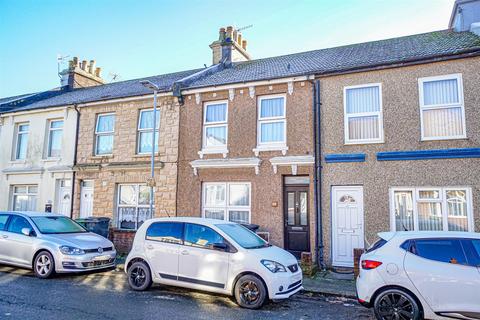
column 81, row 75
column 230, row 47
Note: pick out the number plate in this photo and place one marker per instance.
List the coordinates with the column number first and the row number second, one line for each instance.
column 99, row 258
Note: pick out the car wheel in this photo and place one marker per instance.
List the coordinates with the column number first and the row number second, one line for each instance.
column 250, row 292
column 44, row 265
column 139, row 276
column 396, row 304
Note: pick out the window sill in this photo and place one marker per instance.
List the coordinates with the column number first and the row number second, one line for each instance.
column 203, row 152
column 265, row 148
column 443, row 139
column 350, row 143
column 17, row 161
column 144, row 155
column 100, row 157
column 51, row 159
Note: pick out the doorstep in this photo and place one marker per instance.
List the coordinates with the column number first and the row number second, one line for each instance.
column 331, row 283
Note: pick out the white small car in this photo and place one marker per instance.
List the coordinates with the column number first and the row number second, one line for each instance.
column 212, row 255
column 416, row 275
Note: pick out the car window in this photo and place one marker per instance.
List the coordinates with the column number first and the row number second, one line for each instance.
column 201, row 236
column 169, row 232
column 472, row 250
column 443, row 250
column 3, row 221
column 17, row 223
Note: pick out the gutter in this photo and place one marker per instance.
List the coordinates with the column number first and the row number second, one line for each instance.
column 77, row 129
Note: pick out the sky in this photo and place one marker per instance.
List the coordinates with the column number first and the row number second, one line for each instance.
column 139, row 38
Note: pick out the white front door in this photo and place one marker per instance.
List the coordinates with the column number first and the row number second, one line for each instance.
column 64, row 197
column 86, row 199
column 347, row 224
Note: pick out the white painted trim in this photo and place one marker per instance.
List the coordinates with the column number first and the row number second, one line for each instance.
column 139, row 131
column 282, row 148
column 379, row 114
column 293, row 161
column 106, row 133
column 248, row 84
column 226, row 164
column 222, row 151
column 334, row 219
column 226, row 207
column 26, row 112
column 460, row 104
column 279, row 145
column 206, row 125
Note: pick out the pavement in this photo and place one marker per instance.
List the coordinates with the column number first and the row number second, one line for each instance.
column 106, row 295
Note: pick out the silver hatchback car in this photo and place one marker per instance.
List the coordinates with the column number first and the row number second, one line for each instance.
column 49, row 243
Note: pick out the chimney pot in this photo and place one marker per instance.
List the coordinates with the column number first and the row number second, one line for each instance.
column 91, row 67
column 97, row 71
column 83, row 65
column 75, row 62
column 244, row 45
column 229, row 32
column 239, row 38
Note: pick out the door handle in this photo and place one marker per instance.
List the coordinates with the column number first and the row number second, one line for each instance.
column 149, row 246
column 184, row 252
column 4, row 236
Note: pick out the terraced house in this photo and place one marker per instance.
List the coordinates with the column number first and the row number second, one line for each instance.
column 321, row 149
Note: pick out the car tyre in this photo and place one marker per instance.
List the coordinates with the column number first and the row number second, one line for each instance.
column 250, row 292
column 44, row 265
column 139, row 276
column 396, row 304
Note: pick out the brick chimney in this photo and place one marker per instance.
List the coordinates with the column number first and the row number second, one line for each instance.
column 81, row 74
column 230, row 47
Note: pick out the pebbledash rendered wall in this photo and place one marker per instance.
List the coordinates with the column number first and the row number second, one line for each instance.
column 401, row 120
column 267, row 186
column 124, row 165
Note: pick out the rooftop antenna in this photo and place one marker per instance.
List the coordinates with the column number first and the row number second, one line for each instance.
column 114, row 76
column 60, row 60
column 245, row 27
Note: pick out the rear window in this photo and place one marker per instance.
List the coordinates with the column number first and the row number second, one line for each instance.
column 377, row 245
column 169, row 232
column 3, row 221
column 472, row 250
column 442, row 250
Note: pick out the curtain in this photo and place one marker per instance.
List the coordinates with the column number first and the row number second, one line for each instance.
column 403, row 210
column 22, row 146
column 24, row 203
column 215, row 214
column 216, row 113
column 145, row 142
column 146, row 120
column 272, row 132
column 239, row 195
column 216, row 136
column 272, row 108
column 363, row 128
column 238, row 216
column 443, row 122
column 106, row 123
column 104, row 144
column 215, row 195
column 430, row 216
column 361, row 100
column 55, row 144
column 457, row 210
column 440, row 92
column 128, row 195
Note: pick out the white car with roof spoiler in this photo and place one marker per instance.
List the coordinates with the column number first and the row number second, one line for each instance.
column 212, row 255
column 416, row 275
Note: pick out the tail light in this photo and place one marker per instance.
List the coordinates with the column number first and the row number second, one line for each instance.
column 370, row 264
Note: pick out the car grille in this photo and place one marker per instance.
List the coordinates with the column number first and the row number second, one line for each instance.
column 96, row 250
column 295, row 284
column 293, row 268
column 97, row 263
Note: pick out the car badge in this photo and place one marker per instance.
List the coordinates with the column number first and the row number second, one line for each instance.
column 100, row 250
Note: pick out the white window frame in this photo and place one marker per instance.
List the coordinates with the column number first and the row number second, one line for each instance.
column 143, row 130
column 49, row 136
column 214, row 149
column 227, row 208
column 105, row 133
column 137, row 205
column 460, row 104
column 379, row 114
column 17, row 135
column 267, row 146
column 442, row 200
column 28, row 193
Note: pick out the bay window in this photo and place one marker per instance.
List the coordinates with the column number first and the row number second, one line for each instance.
column 146, row 138
column 24, row 197
column 215, row 126
column 272, row 121
column 441, row 107
column 363, row 120
column 133, row 205
column 227, row 201
column 431, row 209
column 104, row 131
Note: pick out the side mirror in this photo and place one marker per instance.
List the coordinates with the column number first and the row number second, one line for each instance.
column 220, row 246
column 27, row 232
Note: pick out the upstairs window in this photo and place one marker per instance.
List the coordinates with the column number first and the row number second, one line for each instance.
column 104, row 131
column 215, row 125
column 272, row 121
column 363, row 114
column 21, row 145
column 55, row 134
column 441, row 107
column 145, row 138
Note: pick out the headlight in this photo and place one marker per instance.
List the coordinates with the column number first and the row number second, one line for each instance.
column 273, row 266
column 71, row 250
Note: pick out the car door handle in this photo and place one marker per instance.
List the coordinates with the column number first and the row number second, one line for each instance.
column 150, row 247
column 184, row 252
column 4, row 236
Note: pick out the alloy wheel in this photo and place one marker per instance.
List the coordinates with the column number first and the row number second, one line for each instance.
column 43, row 265
column 249, row 292
column 138, row 276
column 396, row 306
